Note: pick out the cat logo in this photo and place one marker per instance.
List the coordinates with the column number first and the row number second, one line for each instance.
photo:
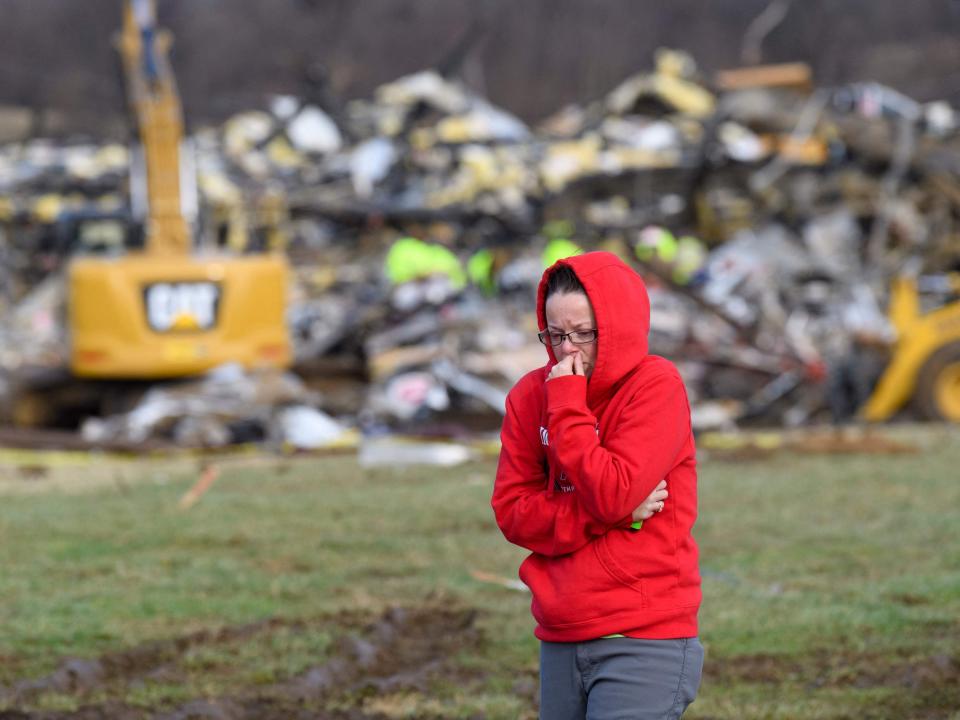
column 182, row 306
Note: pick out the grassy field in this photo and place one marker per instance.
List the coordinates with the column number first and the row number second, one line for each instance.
column 308, row 587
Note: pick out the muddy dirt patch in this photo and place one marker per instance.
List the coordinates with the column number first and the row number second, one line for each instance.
column 403, row 650
column 927, row 686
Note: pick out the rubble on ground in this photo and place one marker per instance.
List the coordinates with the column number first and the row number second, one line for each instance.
column 227, row 406
column 768, row 216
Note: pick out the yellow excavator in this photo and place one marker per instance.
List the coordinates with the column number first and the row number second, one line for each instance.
column 167, row 311
column 925, row 364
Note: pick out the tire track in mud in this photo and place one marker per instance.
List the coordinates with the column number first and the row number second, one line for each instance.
column 79, row 676
column 929, row 686
column 402, row 650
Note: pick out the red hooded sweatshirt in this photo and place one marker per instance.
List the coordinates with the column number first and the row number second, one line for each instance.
column 578, row 456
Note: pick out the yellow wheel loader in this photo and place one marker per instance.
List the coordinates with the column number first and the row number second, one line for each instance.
column 925, row 365
column 166, row 311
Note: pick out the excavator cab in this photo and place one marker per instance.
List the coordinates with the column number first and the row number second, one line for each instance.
column 164, row 310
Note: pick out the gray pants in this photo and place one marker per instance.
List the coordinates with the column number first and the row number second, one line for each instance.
column 619, row 679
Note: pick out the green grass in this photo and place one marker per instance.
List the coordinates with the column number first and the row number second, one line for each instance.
column 831, row 583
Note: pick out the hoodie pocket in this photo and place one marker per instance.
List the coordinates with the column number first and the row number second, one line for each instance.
column 616, row 571
column 574, row 589
column 641, row 563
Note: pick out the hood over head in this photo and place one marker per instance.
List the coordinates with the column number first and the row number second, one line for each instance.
column 622, row 309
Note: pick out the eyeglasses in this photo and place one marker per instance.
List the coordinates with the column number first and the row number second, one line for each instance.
column 577, row 337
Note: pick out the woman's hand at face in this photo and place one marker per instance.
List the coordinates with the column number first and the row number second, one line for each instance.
column 570, row 365
column 653, row 504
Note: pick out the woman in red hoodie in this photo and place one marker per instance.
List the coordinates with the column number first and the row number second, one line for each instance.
column 587, row 442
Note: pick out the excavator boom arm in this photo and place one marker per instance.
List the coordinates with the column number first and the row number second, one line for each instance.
column 155, row 104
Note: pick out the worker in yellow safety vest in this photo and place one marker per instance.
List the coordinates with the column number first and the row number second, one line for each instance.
column 559, row 248
column 480, row 270
column 684, row 257
column 559, row 245
column 412, row 259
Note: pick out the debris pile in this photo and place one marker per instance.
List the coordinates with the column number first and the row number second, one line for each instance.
column 771, row 219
